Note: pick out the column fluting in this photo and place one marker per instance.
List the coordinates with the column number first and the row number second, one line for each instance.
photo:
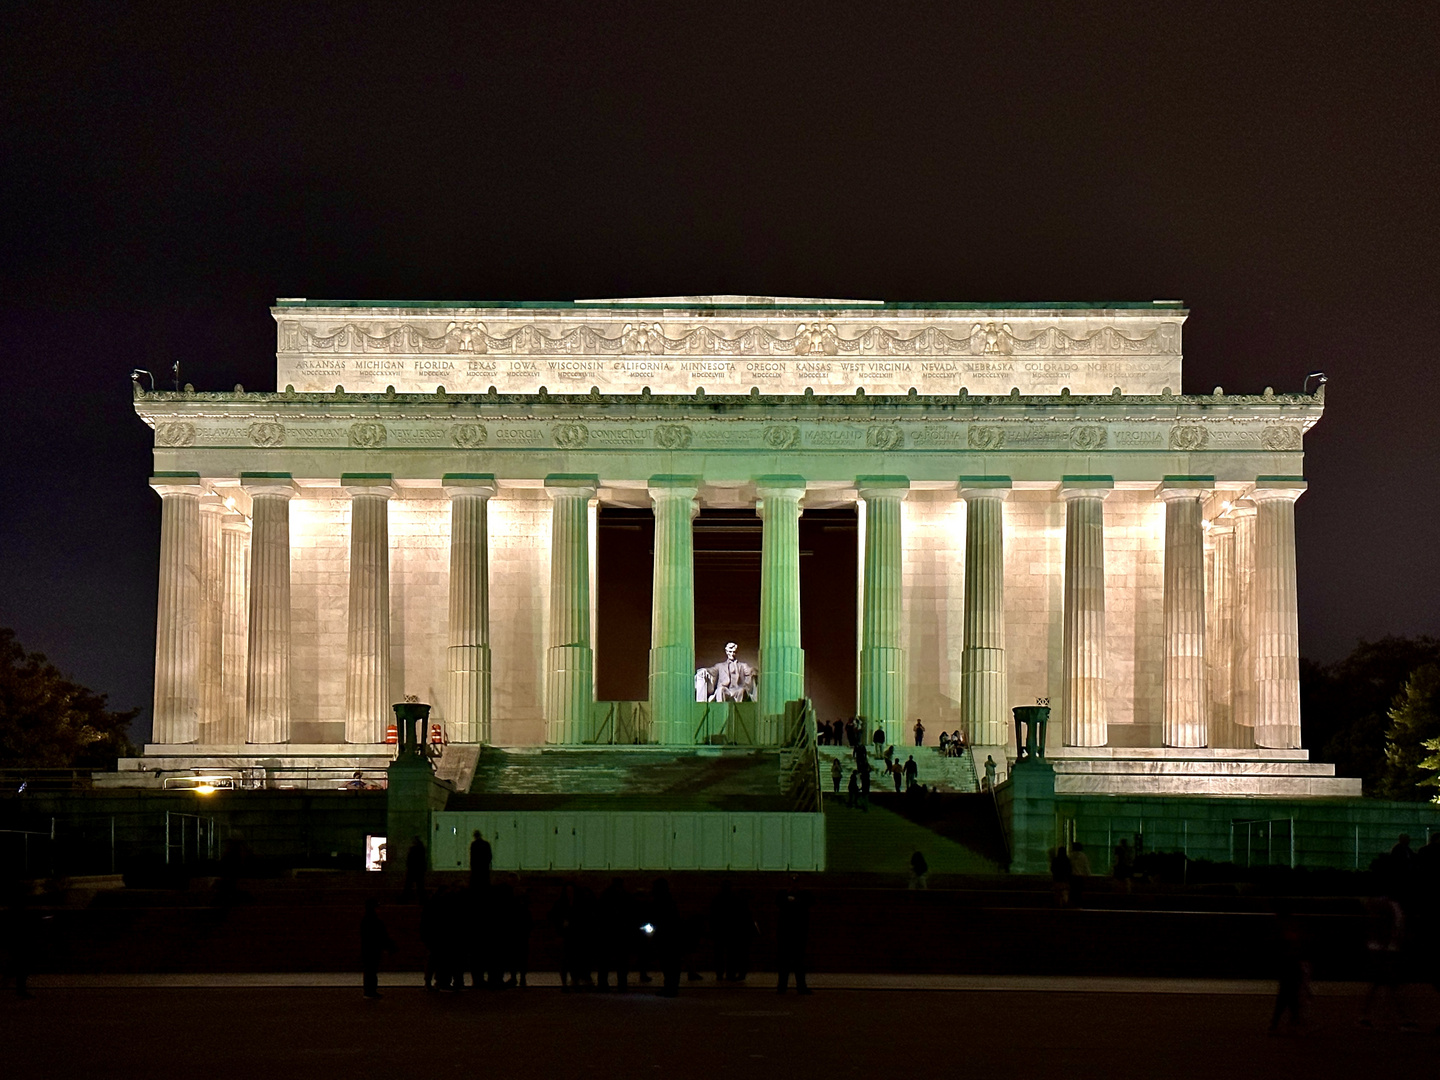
column 1184, row 719
column 883, row 670
column 1242, row 668
column 1277, row 627
column 367, row 637
column 468, row 654
column 984, row 693
column 212, row 616
column 1083, row 645
column 267, row 658
column 1220, row 637
column 177, row 613
column 234, row 605
column 570, row 683
column 782, row 660
column 672, row 618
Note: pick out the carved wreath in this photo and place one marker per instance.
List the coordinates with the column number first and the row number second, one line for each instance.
column 1280, row 438
column 1188, row 437
column 570, row 436
column 266, row 433
column 884, row 437
column 367, row 436
column 782, row 437
column 177, row 434
column 985, row 438
column 672, row 436
column 1087, row 437
column 470, row 436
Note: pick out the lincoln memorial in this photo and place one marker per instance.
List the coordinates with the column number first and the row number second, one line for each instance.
column 1041, row 515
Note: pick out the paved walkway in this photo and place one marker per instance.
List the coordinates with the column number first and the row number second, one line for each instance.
column 1038, row 1028
column 546, row 980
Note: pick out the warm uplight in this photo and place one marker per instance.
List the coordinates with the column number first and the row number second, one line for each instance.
column 230, row 503
column 1205, row 523
column 203, row 789
column 1226, row 505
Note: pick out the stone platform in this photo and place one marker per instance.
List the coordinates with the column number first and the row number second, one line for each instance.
column 1106, row 770
column 309, row 766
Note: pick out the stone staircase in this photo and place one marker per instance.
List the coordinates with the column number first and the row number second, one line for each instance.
column 624, row 777
column 936, row 771
column 1202, row 771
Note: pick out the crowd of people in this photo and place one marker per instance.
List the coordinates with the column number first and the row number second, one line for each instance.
column 484, row 930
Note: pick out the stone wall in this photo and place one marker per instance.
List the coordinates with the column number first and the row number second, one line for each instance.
column 319, row 597
column 519, row 613
column 933, row 629
column 420, row 601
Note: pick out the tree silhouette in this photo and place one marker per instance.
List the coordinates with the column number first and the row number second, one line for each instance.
column 48, row 721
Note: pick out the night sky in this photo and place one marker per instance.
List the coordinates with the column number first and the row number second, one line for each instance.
column 166, row 173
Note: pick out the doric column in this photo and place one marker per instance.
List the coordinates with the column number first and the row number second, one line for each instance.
column 367, row 639
column 782, row 660
column 267, row 657
column 570, row 684
column 1242, row 648
column 984, row 695
column 177, row 612
column 1083, row 666
column 468, row 656
column 212, row 588
column 234, row 617
column 883, row 671
column 1220, row 636
column 1277, row 628
column 672, row 619
column 1184, row 716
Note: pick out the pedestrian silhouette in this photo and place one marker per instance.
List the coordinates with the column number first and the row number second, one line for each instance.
column 618, row 926
column 481, row 856
column 792, row 933
column 373, row 942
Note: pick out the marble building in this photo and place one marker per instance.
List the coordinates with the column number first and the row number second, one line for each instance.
column 1043, row 515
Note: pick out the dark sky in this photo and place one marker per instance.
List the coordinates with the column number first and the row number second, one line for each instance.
column 165, row 173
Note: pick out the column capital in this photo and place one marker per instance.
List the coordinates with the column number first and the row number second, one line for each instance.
column 674, row 486
column 793, row 486
column 882, row 487
column 379, row 485
column 472, row 485
column 1086, row 487
column 212, row 503
column 983, row 487
column 1184, row 488
column 234, row 521
column 177, row 483
column 1278, row 488
column 1243, row 508
column 266, row 483
column 571, row 485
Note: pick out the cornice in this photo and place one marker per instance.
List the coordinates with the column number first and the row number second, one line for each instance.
column 596, row 422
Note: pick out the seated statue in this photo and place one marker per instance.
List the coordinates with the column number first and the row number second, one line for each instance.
column 729, row 680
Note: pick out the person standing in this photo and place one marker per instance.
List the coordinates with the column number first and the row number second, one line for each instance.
column 792, row 933
column 837, row 772
column 919, row 732
column 990, row 768
column 481, row 856
column 912, row 773
column 373, row 941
